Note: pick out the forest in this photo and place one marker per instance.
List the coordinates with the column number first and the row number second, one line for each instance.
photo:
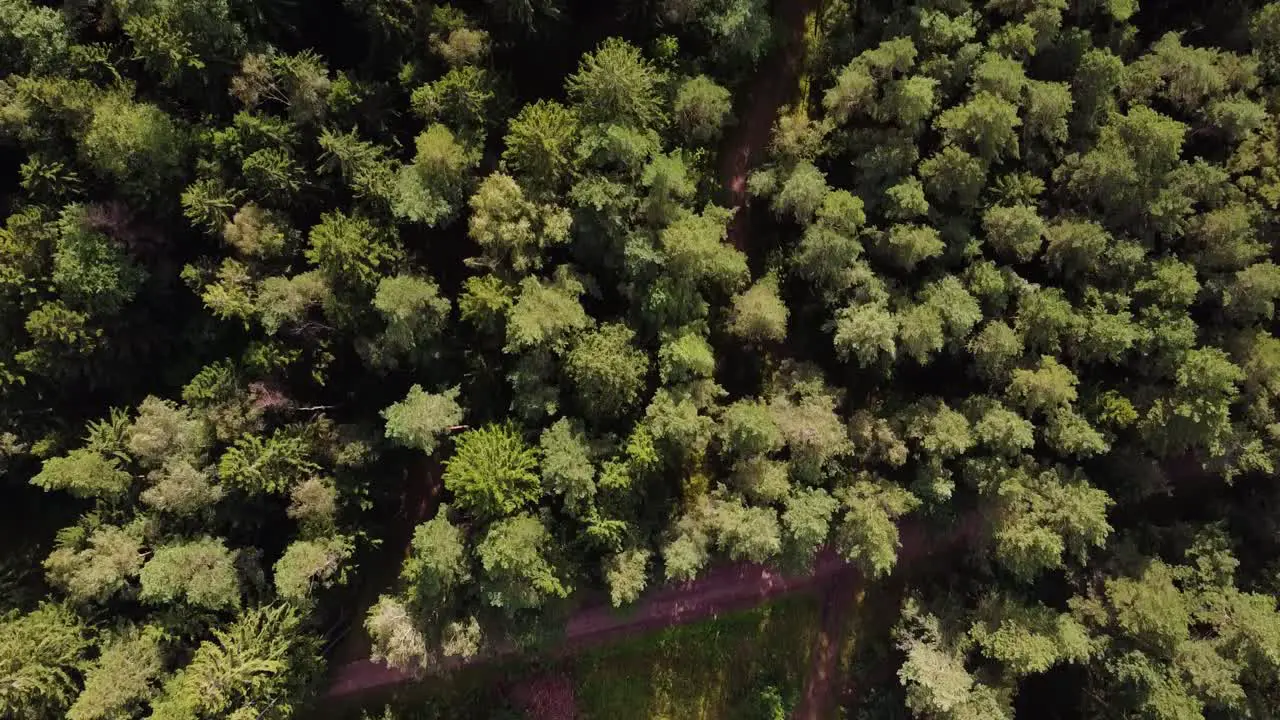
column 426, row 324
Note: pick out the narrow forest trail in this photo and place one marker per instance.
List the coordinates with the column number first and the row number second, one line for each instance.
column 725, row 589
column 837, row 606
column 776, row 83
column 419, row 499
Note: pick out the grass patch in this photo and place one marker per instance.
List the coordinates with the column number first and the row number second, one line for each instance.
column 474, row 693
column 722, row 668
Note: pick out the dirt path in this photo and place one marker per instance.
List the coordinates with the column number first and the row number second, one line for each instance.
column 775, row 84
column 722, row 590
column 824, row 666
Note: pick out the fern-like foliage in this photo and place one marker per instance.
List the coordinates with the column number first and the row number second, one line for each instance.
column 493, row 473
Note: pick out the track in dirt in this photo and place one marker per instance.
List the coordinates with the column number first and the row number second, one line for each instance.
column 724, row 589
column 816, row 701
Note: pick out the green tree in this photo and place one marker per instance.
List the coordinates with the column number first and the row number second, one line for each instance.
column 493, row 472
column 695, row 250
column 91, row 272
column 606, row 370
column 266, row 465
column 986, row 123
column 626, row 574
column 84, row 473
column 1196, row 414
column 1264, row 30
column 415, row 314
column 748, row 428
column 684, row 357
column 40, row 654
column 310, row 564
column 518, row 574
column 615, row 84
column 285, row 302
column 261, row 663
column 866, row 333
column 759, row 315
column 136, row 146
column 464, row 97
column 1132, row 154
column 1015, row 231
column 933, row 674
column 1045, row 516
column 201, row 573
column 35, row 38
column 177, row 39
column 93, row 566
column 165, row 431
column 909, row 245
column 546, row 316
column 567, row 467
column 541, row 146
column 701, row 109
column 512, row 231
column 396, row 640
column 745, row 532
column 179, row 488
column 867, row 533
column 421, row 418
column 738, row 31
column 1048, row 386
column 430, row 189
column 830, row 246
column 801, row 193
column 1028, row 638
column 1075, row 247
column 1004, row 431
column 807, row 519
column 351, row 250
column 955, row 175
column 939, row 430
column 438, row 562
column 124, row 677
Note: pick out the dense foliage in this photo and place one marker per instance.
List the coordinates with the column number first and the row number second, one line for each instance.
column 275, row 274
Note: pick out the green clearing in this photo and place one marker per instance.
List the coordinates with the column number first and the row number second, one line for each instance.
column 717, row 669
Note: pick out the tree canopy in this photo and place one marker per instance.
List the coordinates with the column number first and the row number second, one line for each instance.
column 492, row 308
